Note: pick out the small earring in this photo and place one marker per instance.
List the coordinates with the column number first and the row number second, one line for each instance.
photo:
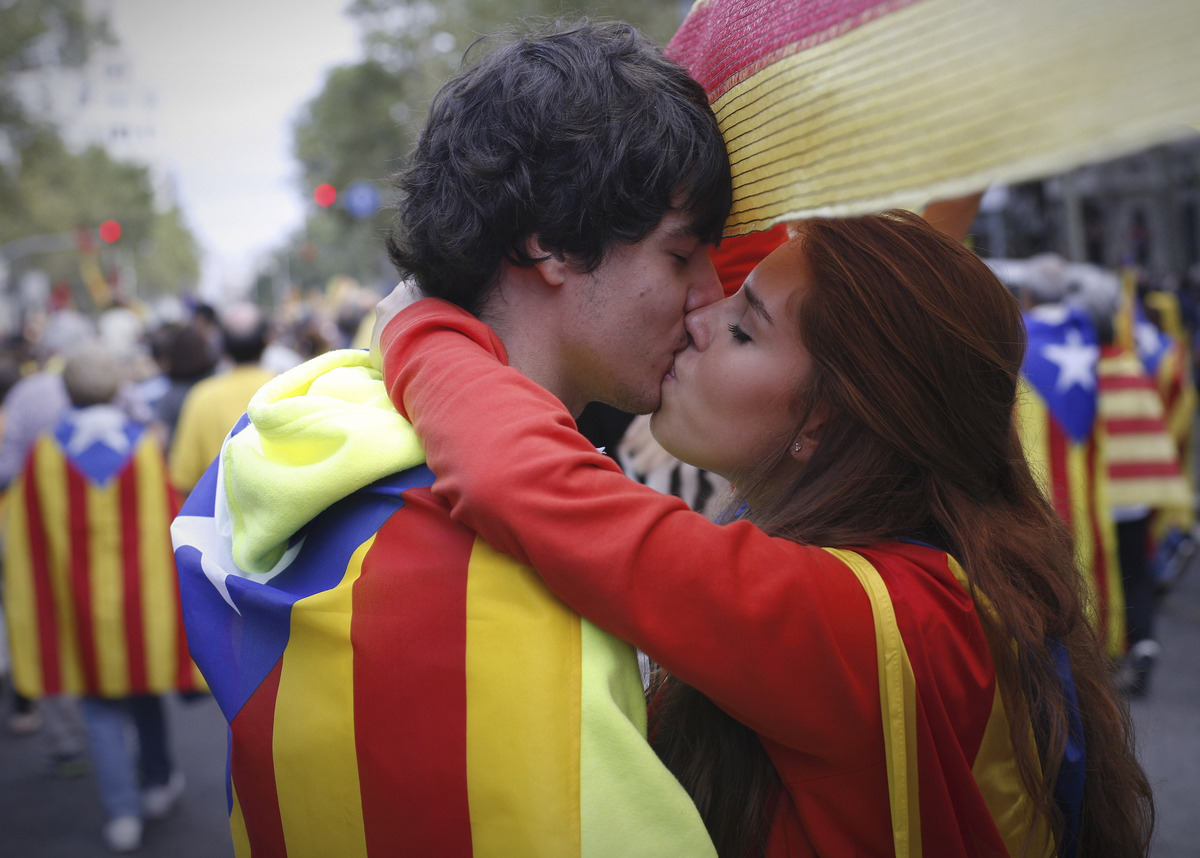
column 796, row 447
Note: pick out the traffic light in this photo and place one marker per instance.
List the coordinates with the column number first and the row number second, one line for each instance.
column 110, row 231
column 325, row 195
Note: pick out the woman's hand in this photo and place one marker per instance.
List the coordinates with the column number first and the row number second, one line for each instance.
column 405, row 293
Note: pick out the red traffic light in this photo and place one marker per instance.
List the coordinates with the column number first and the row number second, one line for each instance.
column 325, row 195
column 110, row 231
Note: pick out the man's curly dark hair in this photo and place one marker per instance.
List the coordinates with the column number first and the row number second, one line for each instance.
column 583, row 134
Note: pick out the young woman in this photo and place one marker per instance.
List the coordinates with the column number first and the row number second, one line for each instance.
column 886, row 652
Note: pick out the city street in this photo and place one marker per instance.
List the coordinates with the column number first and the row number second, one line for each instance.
column 42, row 816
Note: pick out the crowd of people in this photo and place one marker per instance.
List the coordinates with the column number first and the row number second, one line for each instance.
column 939, row 493
column 108, row 423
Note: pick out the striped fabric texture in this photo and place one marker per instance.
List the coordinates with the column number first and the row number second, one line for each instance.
column 1056, row 418
column 842, row 107
column 1141, row 456
column 994, row 767
column 1168, row 360
column 90, row 584
column 393, row 685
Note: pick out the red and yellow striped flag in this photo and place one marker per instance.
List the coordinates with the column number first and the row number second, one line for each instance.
column 842, row 107
column 90, row 585
column 1142, row 460
column 395, row 686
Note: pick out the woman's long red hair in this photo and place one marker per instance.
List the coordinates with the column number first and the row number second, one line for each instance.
column 917, row 350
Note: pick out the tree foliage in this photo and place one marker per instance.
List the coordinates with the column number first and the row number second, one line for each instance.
column 365, row 120
column 35, row 34
column 49, row 192
column 63, row 192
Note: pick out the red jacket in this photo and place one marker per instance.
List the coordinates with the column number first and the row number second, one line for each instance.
column 866, row 674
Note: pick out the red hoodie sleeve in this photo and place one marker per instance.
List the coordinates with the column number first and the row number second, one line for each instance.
column 778, row 634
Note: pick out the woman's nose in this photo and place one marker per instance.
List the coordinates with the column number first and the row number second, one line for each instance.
column 699, row 325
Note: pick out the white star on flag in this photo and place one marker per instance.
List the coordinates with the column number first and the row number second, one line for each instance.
column 1076, row 361
column 104, row 424
column 1147, row 338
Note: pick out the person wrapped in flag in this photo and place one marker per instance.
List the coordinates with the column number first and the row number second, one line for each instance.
column 1164, row 352
column 1056, row 415
column 887, row 652
column 394, row 685
column 91, row 592
column 1145, row 479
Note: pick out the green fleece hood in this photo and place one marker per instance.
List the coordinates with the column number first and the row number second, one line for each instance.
column 317, row 433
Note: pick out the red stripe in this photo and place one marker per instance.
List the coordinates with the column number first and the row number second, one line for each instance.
column 252, row 768
column 131, row 573
column 1135, row 426
column 81, row 583
column 727, row 41
column 1060, row 479
column 1115, row 383
column 47, row 620
column 186, row 677
column 410, row 703
column 1141, row 470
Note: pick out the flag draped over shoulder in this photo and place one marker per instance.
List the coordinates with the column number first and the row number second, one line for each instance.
column 90, row 586
column 1057, row 420
column 843, row 107
column 393, row 685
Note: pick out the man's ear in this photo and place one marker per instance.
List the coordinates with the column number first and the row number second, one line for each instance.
column 552, row 263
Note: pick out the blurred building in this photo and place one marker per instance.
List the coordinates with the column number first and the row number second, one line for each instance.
column 103, row 102
column 1143, row 210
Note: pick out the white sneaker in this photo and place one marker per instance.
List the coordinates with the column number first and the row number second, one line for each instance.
column 158, row 801
column 123, row 834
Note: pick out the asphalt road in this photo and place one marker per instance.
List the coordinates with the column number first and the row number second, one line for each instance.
column 44, row 816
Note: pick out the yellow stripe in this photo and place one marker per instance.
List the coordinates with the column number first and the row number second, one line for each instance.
column 20, row 601
column 523, row 684
column 995, row 767
column 314, row 749
column 237, row 827
column 995, row 771
column 898, row 693
column 1032, row 428
column 1086, row 507
column 159, row 582
column 51, row 480
column 1141, row 448
column 1082, row 510
column 1110, row 625
column 1162, row 493
column 106, row 567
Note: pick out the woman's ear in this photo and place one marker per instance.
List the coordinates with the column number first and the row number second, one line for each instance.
column 805, row 444
column 552, row 264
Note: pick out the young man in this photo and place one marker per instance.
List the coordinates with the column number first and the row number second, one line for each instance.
column 393, row 684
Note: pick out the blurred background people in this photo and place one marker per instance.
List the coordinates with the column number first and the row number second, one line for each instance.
column 91, row 595
column 186, row 359
column 214, row 404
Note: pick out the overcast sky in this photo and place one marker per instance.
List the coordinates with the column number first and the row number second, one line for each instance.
column 230, row 77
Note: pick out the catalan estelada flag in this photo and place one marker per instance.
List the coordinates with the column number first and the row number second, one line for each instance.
column 393, row 685
column 1142, row 459
column 843, row 107
column 90, row 584
column 1056, row 417
column 1169, row 363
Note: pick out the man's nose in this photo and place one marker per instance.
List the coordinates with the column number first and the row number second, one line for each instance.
column 705, row 288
